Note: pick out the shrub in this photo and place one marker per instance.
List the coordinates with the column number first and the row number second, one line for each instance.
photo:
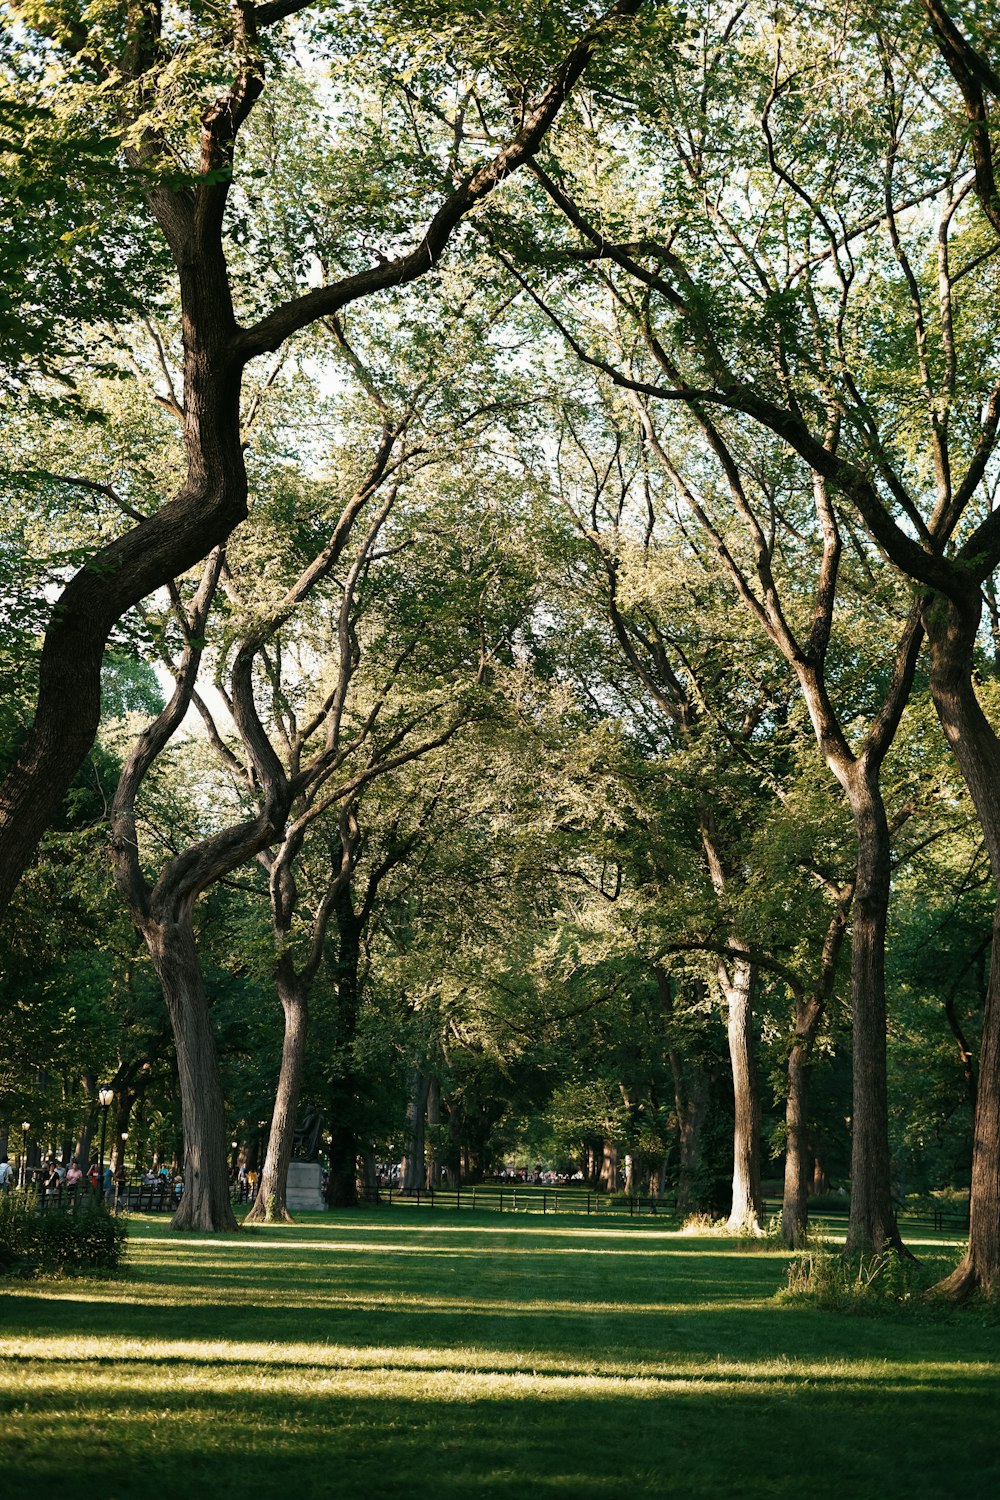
column 90, row 1239
column 860, row 1283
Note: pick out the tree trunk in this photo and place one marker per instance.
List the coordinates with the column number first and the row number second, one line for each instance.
column 269, row 1206
column 414, row 1165
column 977, row 750
column 872, row 1224
column 342, row 1181
column 205, row 1204
column 210, row 503
column 433, row 1137
column 737, row 985
column 690, row 1118
column 690, row 1104
column 794, row 1210
column 607, row 1171
column 369, row 1174
column 89, row 1121
column 808, row 1015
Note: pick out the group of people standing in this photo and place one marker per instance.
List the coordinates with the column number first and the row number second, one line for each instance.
column 247, row 1180
column 57, row 1179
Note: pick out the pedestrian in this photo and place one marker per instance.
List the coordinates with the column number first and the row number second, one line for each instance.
column 6, row 1174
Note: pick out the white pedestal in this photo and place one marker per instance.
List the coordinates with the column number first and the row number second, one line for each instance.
column 304, row 1185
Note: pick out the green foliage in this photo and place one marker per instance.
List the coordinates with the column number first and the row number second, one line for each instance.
column 868, row 1284
column 58, row 1241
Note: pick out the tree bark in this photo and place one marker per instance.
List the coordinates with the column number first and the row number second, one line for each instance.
column 872, row 1223
column 794, row 1209
column 205, row 1204
column 270, row 1207
column 210, row 503
column 607, row 1171
column 414, row 1165
column 691, row 1105
column 952, row 636
column 808, row 1015
column 691, row 1092
column 433, row 1137
column 342, row 1181
column 737, row 986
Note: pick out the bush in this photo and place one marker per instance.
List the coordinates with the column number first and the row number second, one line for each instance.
column 91, row 1239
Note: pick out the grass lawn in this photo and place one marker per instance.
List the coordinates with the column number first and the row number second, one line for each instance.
column 405, row 1354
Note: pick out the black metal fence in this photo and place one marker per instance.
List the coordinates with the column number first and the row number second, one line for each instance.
column 164, row 1196
column 137, row 1197
column 521, row 1198
column 530, row 1198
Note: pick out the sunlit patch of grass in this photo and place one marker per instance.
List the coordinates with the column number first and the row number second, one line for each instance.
column 359, row 1356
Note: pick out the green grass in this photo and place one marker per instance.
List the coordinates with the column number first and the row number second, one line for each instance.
column 416, row 1355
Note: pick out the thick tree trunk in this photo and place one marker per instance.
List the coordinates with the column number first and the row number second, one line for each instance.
column 746, row 1213
column 414, row 1163
column 872, row 1224
column 211, row 502
column 691, row 1107
column 205, row 1204
column 270, row 1206
column 977, row 750
column 608, row 1169
column 369, row 1174
column 342, row 1179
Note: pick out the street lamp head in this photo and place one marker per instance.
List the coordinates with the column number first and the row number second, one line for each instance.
column 26, row 1126
column 124, row 1135
column 105, row 1097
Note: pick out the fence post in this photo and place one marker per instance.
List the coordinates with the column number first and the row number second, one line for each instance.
column 501, row 1200
column 543, row 1202
column 588, row 1203
column 631, row 1208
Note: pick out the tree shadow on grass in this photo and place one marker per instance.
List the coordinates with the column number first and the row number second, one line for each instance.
column 705, row 1440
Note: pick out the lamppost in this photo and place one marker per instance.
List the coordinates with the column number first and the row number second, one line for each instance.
column 121, row 1170
column 104, row 1099
column 25, row 1127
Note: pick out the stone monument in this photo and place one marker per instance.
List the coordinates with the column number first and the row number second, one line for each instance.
column 305, row 1190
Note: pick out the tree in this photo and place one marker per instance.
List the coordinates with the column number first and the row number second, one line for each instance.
column 780, row 345
column 142, row 62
